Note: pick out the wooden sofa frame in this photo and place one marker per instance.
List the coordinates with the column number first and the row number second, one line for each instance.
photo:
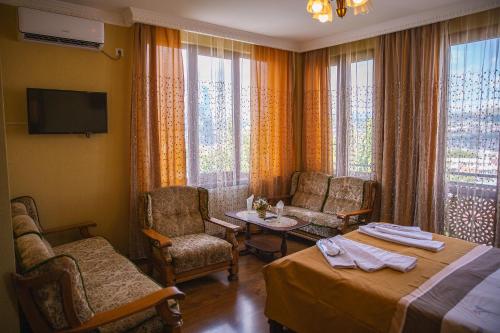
column 24, row 286
column 166, row 268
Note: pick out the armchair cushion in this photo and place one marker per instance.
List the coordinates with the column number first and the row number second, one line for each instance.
column 18, row 208
column 112, row 280
column 25, row 205
column 175, row 211
column 311, row 191
column 23, row 224
column 345, row 194
column 32, row 250
column 316, row 218
column 196, row 251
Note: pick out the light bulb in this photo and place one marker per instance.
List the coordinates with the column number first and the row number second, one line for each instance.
column 317, row 7
column 323, row 18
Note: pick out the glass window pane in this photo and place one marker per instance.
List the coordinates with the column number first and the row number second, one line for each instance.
column 473, row 113
column 360, row 119
column 333, row 97
column 245, row 117
column 215, row 114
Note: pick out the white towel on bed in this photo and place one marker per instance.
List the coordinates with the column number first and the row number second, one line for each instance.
column 429, row 245
column 399, row 230
column 341, row 260
column 366, row 257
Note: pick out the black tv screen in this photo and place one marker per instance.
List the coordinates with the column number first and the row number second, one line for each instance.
column 63, row 111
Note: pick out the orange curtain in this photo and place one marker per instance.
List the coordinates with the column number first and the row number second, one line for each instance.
column 271, row 139
column 158, row 154
column 317, row 134
column 408, row 72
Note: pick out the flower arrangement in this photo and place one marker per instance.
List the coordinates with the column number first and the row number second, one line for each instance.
column 261, row 205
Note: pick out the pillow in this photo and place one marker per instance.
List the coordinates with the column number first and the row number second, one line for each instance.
column 24, row 224
column 17, row 208
column 48, row 297
column 31, row 250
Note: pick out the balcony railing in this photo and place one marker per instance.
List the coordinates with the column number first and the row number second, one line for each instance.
column 470, row 212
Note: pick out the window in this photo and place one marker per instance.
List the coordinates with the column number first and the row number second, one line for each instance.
column 472, row 140
column 352, row 114
column 218, row 116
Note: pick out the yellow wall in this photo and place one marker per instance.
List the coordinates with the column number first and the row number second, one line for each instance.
column 72, row 178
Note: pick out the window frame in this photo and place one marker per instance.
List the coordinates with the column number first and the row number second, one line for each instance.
column 343, row 110
column 235, row 177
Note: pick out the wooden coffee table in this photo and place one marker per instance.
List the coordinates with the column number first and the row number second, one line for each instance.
column 266, row 245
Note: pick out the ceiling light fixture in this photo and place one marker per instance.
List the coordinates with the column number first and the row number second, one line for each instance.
column 321, row 10
column 317, row 6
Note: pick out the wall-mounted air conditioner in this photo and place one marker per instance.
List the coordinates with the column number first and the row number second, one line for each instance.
column 44, row 27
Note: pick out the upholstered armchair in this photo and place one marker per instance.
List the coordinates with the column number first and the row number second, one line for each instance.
column 180, row 249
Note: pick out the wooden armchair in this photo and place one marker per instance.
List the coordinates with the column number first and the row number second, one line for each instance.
column 180, row 249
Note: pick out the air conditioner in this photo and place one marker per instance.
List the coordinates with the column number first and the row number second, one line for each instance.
column 44, row 27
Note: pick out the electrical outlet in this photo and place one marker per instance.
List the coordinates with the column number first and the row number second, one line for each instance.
column 119, row 52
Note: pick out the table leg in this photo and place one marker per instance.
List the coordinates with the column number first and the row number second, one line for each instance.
column 248, row 235
column 283, row 244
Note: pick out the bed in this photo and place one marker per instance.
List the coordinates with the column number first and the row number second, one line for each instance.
column 454, row 290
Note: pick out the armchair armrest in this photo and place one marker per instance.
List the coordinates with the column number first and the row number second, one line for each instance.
column 346, row 215
column 157, row 299
column 224, row 224
column 287, row 199
column 343, row 215
column 157, row 239
column 83, row 227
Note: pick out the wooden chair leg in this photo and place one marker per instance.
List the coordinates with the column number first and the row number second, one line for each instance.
column 169, row 276
column 233, row 272
column 234, row 268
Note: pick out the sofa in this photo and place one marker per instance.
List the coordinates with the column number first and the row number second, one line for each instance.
column 174, row 220
column 84, row 285
column 333, row 205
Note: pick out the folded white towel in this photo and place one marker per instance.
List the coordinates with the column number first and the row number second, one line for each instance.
column 370, row 258
column 394, row 229
column 429, row 245
column 331, row 248
column 365, row 257
column 341, row 260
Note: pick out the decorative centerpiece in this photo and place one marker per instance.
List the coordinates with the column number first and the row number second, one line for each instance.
column 261, row 205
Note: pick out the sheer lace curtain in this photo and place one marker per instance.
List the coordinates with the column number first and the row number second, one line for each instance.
column 352, row 88
column 471, row 128
column 338, row 113
column 217, row 76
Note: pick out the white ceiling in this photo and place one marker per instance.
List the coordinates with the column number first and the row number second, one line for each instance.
column 284, row 23
column 285, row 19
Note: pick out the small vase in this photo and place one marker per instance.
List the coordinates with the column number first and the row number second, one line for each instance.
column 262, row 213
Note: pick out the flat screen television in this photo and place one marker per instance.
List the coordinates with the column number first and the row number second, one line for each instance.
column 53, row 111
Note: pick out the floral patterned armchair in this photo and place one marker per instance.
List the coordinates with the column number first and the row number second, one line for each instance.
column 174, row 222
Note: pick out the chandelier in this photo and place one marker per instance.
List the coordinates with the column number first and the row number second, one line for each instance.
column 322, row 11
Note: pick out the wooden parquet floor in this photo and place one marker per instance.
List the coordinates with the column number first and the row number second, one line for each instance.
column 213, row 304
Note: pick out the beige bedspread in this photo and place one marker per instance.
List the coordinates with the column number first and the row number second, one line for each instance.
column 306, row 294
